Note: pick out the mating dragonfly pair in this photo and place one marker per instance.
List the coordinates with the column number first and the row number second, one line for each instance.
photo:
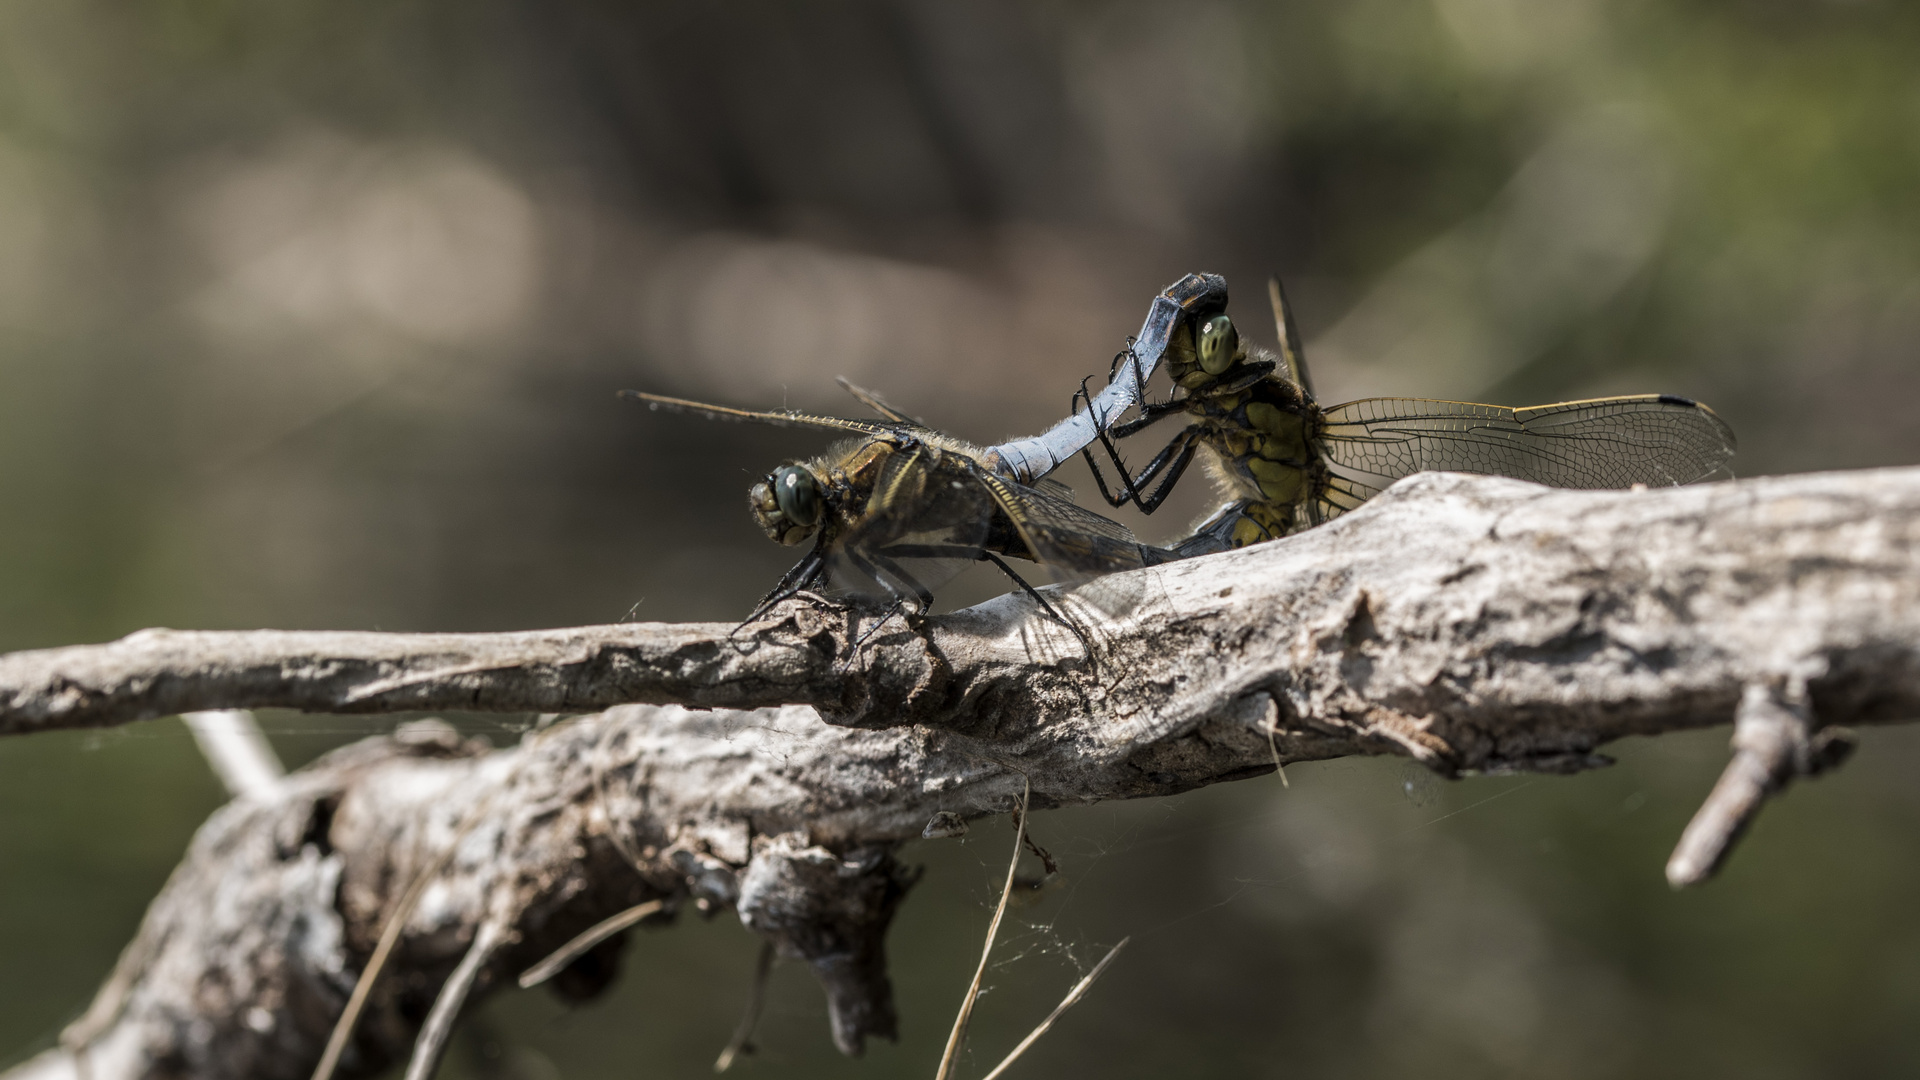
column 898, row 509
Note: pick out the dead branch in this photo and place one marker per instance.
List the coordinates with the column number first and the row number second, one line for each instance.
column 1476, row 624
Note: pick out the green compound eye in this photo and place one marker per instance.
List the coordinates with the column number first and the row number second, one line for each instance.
column 1218, row 341
column 797, row 494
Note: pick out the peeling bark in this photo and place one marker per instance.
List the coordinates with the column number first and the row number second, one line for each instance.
column 1475, row 624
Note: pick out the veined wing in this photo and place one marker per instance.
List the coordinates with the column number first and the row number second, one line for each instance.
column 875, row 402
column 777, row 419
column 1076, row 543
column 925, row 521
column 1656, row 439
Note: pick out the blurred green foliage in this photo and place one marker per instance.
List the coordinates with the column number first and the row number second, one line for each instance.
column 311, row 314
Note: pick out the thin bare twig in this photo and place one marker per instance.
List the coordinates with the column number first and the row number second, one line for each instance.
column 238, row 750
column 1774, row 741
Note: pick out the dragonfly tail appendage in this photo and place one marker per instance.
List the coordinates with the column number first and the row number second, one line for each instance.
column 1027, row 460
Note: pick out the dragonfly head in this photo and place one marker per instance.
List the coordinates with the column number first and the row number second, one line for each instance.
column 1213, row 347
column 788, row 504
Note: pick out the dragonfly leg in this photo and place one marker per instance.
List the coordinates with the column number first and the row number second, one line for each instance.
column 1180, row 450
column 1034, row 593
column 897, row 608
column 1100, row 481
column 804, row 575
column 1128, row 494
column 1187, row 442
column 880, row 567
column 1151, row 412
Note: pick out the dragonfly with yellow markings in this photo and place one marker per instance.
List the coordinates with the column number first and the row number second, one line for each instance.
column 897, row 509
column 1283, row 462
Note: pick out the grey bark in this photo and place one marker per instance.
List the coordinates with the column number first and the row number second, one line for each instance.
column 1475, row 624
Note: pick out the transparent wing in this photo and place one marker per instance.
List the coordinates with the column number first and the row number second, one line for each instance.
column 925, row 521
column 777, row 419
column 1053, row 487
column 1655, row 439
column 1074, row 542
column 875, row 402
column 1291, row 352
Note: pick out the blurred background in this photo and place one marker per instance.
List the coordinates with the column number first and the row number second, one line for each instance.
column 312, row 314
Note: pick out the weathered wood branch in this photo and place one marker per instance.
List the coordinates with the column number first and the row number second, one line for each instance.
column 1475, row 624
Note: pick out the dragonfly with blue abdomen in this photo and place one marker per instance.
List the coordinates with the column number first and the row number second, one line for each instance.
column 898, row 511
column 901, row 508
column 1170, row 321
column 1284, row 463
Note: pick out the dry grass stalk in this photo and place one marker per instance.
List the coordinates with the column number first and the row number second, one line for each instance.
column 593, row 935
column 1073, row 998
column 951, row 1057
column 743, row 1034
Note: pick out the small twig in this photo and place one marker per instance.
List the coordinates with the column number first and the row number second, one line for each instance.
column 594, row 935
column 741, row 1042
column 431, row 1046
column 389, row 936
column 950, row 1058
column 1770, row 729
column 238, row 750
column 1073, row 998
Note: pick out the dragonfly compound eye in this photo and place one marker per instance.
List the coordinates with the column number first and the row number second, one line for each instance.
column 798, row 495
column 1217, row 343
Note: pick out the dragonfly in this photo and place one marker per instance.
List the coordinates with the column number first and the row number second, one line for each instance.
column 901, row 508
column 1283, row 462
column 898, row 508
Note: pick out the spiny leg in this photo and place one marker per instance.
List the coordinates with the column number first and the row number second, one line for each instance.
column 1139, row 378
column 1150, row 413
column 1177, row 455
column 867, row 567
column 875, row 564
column 885, row 617
column 1187, row 442
column 803, row 575
column 1071, row 626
